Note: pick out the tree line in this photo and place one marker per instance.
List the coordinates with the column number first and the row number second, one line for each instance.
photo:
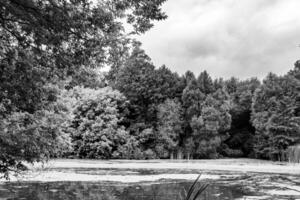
column 54, row 102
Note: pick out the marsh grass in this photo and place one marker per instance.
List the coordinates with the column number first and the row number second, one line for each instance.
column 194, row 192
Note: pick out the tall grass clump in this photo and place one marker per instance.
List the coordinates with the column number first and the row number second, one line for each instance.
column 194, row 192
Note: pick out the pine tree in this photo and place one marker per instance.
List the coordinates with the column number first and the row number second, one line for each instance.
column 205, row 83
column 274, row 116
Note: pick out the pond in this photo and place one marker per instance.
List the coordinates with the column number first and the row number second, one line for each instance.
column 159, row 180
column 109, row 191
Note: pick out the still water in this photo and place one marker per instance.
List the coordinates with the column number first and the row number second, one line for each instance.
column 100, row 183
column 113, row 191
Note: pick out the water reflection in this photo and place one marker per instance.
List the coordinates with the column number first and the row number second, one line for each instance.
column 102, row 191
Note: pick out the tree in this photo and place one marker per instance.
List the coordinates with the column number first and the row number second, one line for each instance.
column 46, row 41
column 169, row 126
column 168, row 84
column 273, row 115
column 205, row 83
column 66, row 34
column 231, row 85
column 135, row 81
column 86, row 77
column 296, row 73
column 210, row 126
column 189, row 76
column 30, row 137
column 145, row 86
column 223, row 105
column 192, row 99
column 242, row 131
column 218, row 84
column 205, row 132
column 98, row 133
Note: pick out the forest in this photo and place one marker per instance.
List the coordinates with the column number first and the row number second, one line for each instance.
column 56, row 102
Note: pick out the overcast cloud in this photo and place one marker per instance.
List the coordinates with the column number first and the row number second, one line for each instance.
column 241, row 38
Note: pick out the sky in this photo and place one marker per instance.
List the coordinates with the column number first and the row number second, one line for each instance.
column 241, row 38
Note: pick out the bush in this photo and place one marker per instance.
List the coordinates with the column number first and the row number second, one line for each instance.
column 149, row 154
column 228, row 152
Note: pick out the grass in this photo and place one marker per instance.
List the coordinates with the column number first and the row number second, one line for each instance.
column 194, row 192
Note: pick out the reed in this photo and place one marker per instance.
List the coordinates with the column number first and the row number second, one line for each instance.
column 194, row 192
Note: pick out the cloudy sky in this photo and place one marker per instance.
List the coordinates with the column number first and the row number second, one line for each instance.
column 241, row 38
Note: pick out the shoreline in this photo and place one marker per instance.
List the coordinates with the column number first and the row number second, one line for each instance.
column 138, row 171
column 235, row 165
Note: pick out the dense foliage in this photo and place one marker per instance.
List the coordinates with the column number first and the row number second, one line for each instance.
column 275, row 116
column 97, row 130
column 47, row 46
column 197, row 117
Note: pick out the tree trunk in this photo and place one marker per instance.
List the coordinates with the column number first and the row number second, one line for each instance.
column 179, row 154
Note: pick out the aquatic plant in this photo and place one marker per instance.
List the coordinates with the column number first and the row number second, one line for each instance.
column 194, row 193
